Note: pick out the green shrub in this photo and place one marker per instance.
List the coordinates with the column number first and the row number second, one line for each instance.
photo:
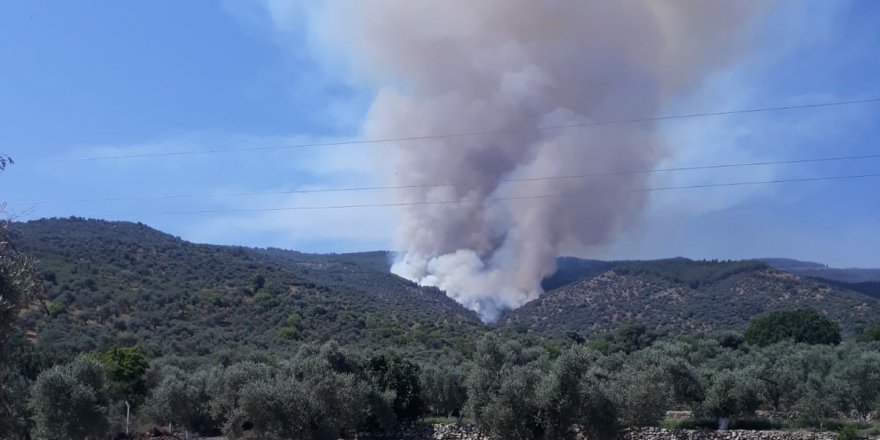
column 391, row 373
column 55, row 308
column 126, row 370
column 291, row 333
column 265, row 298
column 847, row 432
column 800, row 326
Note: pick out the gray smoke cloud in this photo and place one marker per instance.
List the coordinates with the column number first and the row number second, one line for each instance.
column 458, row 66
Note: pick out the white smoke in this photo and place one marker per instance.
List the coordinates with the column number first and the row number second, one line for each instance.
column 511, row 66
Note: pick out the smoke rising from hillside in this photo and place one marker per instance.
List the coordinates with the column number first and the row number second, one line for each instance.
column 498, row 65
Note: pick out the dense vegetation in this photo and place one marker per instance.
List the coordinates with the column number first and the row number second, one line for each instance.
column 110, row 283
column 115, row 283
column 681, row 296
column 273, row 344
column 870, row 288
column 509, row 389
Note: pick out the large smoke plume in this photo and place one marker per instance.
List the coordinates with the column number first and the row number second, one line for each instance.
column 512, row 66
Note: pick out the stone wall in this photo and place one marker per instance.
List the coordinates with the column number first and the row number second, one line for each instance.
column 430, row 432
column 687, row 434
column 459, row 432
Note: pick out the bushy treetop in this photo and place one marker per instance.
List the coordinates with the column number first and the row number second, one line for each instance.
column 800, row 326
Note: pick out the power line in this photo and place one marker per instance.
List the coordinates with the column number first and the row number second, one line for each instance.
column 497, row 199
column 439, row 185
column 470, row 134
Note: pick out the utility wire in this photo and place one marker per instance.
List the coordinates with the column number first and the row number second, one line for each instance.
column 470, row 134
column 497, row 199
column 439, row 185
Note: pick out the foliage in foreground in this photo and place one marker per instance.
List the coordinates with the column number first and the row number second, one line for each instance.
column 510, row 389
column 321, row 393
column 19, row 286
column 70, row 402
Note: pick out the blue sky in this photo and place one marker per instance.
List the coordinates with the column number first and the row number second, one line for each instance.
column 95, row 78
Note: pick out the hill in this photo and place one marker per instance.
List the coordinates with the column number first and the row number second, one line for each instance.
column 111, row 283
column 118, row 282
column 870, row 288
column 684, row 296
column 860, row 280
column 816, row 270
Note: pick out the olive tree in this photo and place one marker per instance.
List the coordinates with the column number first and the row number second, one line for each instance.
column 641, row 395
column 819, row 397
column 570, row 399
column 320, row 408
column 181, row 399
column 19, row 283
column 517, row 393
column 332, row 404
column 15, row 417
column 392, row 373
column 732, row 393
column 19, row 286
column 502, row 381
column 226, row 388
column 859, row 374
column 512, row 411
column 70, row 402
column 778, row 375
column 444, row 390
column 311, row 397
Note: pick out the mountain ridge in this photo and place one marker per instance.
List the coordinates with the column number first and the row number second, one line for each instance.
column 126, row 283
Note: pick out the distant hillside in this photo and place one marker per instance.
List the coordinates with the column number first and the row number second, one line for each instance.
column 110, row 282
column 870, row 288
column 681, row 296
column 124, row 283
column 571, row 269
column 816, row 270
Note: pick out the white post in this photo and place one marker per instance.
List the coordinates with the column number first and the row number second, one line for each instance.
column 127, row 417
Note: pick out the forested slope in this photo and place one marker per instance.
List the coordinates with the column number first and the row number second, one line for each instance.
column 816, row 270
column 118, row 283
column 123, row 283
column 684, row 296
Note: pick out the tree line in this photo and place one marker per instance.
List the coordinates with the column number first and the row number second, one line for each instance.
column 508, row 389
